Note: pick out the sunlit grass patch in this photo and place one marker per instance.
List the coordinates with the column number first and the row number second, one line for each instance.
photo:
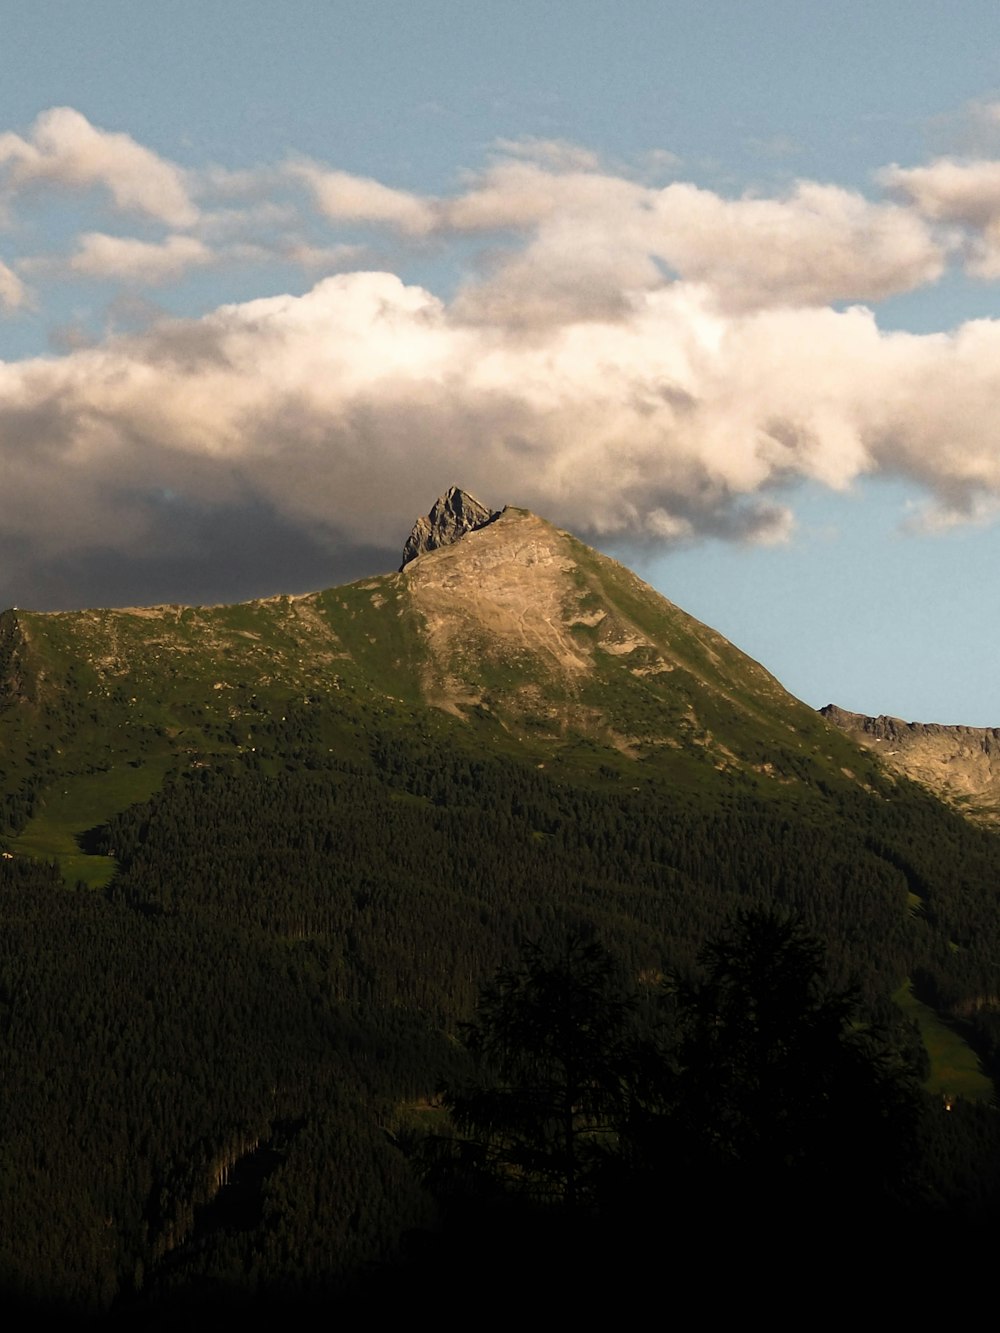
column 955, row 1067
column 82, row 803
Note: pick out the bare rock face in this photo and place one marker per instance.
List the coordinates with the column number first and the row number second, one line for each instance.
column 454, row 514
column 959, row 764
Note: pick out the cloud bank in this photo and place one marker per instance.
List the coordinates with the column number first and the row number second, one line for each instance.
column 643, row 364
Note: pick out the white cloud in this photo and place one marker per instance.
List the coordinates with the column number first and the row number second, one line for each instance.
column 63, row 149
column 949, row 189
column 592, row 237
column 964, row 193
column 346, row 198
column 648, row 363
column 595, row 239
column 341, row 406
column 138, row 262
column 520, row 195
column 818, row 244
column 581, row 242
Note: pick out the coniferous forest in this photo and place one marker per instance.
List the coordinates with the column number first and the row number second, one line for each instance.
column 244, row 1068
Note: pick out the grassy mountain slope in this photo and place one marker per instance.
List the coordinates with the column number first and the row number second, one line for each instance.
column 538, row 643
column 527, row 625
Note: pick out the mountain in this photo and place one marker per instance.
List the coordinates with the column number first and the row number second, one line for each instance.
column 534, row 640
column 959, row 764
column 258, row 861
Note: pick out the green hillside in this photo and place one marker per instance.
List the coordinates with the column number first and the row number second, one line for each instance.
column 99, row 705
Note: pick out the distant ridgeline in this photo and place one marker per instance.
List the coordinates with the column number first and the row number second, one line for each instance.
column 261, row 859
column 959, row 764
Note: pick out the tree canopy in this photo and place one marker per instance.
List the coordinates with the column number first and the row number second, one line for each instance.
column 779, row 1076
column 554, row 1042
column 766, row 1079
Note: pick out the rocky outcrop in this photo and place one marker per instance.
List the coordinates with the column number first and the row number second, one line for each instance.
column 454, row 514
column 960, row 764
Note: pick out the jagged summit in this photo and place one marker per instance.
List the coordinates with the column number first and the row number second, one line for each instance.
column 453, row 515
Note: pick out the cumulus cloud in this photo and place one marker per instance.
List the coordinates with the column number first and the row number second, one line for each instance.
column 950, row 190
column 640, row 363
column 582, row 239
column 515, row 196
column 63, row 149
column 817, row 244
column 337, row 410
column 593, row 239
column 565, row 238
column 573, row 241
column 963, row 192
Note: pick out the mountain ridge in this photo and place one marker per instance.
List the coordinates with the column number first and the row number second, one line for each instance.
column 959, row 764
column 517, row 629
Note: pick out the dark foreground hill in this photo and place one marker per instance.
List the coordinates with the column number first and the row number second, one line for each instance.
column 260, row 860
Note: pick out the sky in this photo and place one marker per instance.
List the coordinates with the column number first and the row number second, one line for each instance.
column 715, row 285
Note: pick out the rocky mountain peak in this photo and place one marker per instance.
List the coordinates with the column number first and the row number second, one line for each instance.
column 453, row 515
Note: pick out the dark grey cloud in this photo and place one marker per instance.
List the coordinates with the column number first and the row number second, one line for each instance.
column 204, row 555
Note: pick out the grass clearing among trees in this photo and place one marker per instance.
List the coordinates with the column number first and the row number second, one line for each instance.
column 955, row 1067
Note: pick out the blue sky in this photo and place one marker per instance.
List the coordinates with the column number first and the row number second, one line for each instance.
column 713, row 284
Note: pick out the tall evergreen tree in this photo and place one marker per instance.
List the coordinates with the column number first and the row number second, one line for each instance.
column 554, row 1042
column 782, row 1085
